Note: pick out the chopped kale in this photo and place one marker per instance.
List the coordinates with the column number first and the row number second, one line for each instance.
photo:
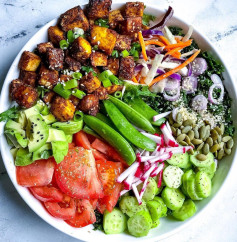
column 146, row 18
column 98, row 225
column 193, row 46
column 176, row 30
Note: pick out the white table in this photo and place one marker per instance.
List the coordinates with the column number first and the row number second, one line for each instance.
column 21, row 19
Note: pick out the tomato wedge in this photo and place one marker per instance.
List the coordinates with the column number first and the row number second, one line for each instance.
column 84, row 216
column 77, row 176
column 39, row 173
column 94, row 203
column 63, row 210
column 108, row 173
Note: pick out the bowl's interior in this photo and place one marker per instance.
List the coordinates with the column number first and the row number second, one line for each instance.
column 167, row 226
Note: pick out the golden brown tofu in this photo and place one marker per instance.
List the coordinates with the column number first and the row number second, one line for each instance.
column 29, row 61
column 55, row 35
column 115, row 17
column 98, row 9
column 47, row 78
column 126, row 69
column 114, row 88
column 89, row 83
column 54, row 58
column 98, row 59
column 25, row 96
column 123, row 42
column 131, row 25
column 80, row 49
column 134, row 9
column 75, row 101
column 42, row 48
column 113, row 65
column 103, row 37
column 64, row 78
column 62, row 109
column 74, row 18
column 48, row 97
column 28, row 77
column 101, row 93
column 72, row 64
column 89, row 104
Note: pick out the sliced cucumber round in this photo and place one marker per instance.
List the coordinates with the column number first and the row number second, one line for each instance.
column 155, row 223
column 173, row 198
column 180, row 160
column 203, row 184
column 185, row 178
column 140, row 224
column 151, row 190
column 172, row 176
column 114, row 222
column 186, row 211
column 210, row 170
column 191, row 188
column 158, row 207
column 199, row 163
column 163, row 205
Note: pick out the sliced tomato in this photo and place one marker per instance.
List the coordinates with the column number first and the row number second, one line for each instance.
column 39, row 173
column 77, row 176
column 47, row 194
column 63, row 210
column 94, row 203
column 108, row 150
column 84, row 216
column 108, row 173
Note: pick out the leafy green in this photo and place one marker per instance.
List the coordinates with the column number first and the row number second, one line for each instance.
column 115, row 54
column 102, row 22
column 98, row 225
column 193, row 46
column 42, row 90
column 146, row 18
column 176, row 30
column 60, row 149
column 11, row 113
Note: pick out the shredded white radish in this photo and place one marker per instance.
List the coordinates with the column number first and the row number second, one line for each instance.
column 155, row 138
column 144, row 187
column 172, row 65
column 189, row 53
column 159, row 86
column 127, row 172
column 146, row 158
column 145, row 70
column 157, row 170
column 134, row 188
column 188, row 34
column 168, row 127
column 146, row 153
column 161, row 115
column 155, row 151
column 167, row 33
column 123, row 192
column 130, row 179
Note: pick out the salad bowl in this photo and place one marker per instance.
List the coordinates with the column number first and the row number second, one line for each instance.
column 168, row 226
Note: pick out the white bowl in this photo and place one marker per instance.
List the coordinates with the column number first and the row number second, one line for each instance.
column 168, row 226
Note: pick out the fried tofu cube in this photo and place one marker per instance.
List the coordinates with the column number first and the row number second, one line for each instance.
column 47, row 78
column 114, row 88
column 29, row 61
column 25, row 96
column 48, row 97
column 101, row 93
column 126, row 69
column 64, row 78
column 103, row 37
column 89, row 83
column 55, row 35
column 54, row 58
column 62, row 109
column 115, row 17
column 123, row 42
column 72, row 64
column 74, row 18
column 134, row 9
column 80, row 49
column 89, row 104
column 42, row 48
column 99, row 59
column 113, row 65
column 131, row 25
column 75, row 101
column 98, row 9
column 28, row 77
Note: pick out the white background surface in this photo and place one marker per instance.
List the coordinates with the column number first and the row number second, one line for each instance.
column 217, row 19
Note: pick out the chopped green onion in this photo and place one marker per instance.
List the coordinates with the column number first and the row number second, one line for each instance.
column 45, row 111
column 59, row 89
column 95, row 47
column 136, row 46
column 71, row 84
column 115, row 54
column 78, row 32
column 77, row 75
column 78, row 93
column 114, row 80
column 88, row 69
column 124, row 53
column 102, row 22
column 70, row 36
column 78, row 116
column 118, row 94
column 105, row 75
column 106, row 82
column 63, row 44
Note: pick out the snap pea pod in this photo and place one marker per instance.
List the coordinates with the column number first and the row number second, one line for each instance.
column 126, row 128
column 144, row 109
column 90, row 131
column 105, row 119
column 132, row 115
column 112, row 137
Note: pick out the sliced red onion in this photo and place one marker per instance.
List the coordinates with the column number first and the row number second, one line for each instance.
column 175, row 76
column 199, row 103
column 189, row 84
column 174, row 97
column 138, row 68
column 151, row 32
column 161, row 115
column 174, row 113
column 199, row 66
column 216, row 79
column 171, row 84
column 210, row 94
column 190, row 70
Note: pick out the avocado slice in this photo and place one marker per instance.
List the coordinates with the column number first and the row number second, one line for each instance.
column 36, row 109
column 14, row 152
column 23, row 157
column 37, row 131
column 70, row 127
column 49, row 119
column 43, row 152
column 56, row 135
column 22, row 120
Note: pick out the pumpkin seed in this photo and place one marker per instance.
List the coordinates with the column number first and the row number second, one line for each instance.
column 226, row 138
column 218, row 130
column 214, row 134
column 188, row 122
column 200, row 146
column 222, row 127
column 191, row 152
column 196, row 133
column 171, row 121
column 215, row 154
column 209, row 141
column 215, row 142
column 206, row 149
column 181, row 127
column 219, row 138
column 230, row 143
column 208, row 132
column 201, row 157
column 197, row 141
column 220, row 154
column 187, row 139
column 179, row 118
column 177, row 125
column 181, row 137
column 191, row 134
column 214, row 148
column 178, row 132
column 202, row 132
column 183, row 143
column 186, row 129
column 227, row 151
column 221, row 145
column 173, row 129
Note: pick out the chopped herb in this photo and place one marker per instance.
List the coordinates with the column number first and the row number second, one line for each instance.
column 88, row 69
column 42, row 90
column 11, row 113
column 102, row 22
column 146, row 18
column 115, row 54
column 98, row 225
column 95, row 47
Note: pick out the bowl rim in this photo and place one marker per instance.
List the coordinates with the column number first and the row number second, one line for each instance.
column 184, row 224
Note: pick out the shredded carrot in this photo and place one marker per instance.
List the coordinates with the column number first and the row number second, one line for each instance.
column 180, row 44
column 177, row 54
column 134, row 79
column 178, row 40
column 164, row 40
column 142, row 43
column 142, row 81
column 173, row 51
column 176, row 69
column 154, row 42
column 138, row 76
